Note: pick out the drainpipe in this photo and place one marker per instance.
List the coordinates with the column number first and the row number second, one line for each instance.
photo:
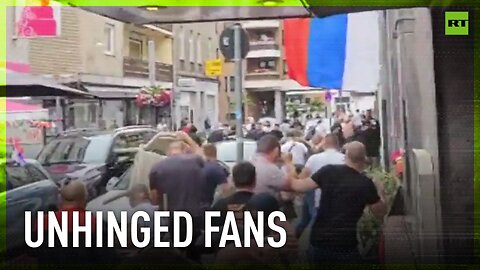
column 151, row 76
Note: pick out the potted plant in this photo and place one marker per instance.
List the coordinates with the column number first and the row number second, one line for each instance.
column 369, row 227
column 154, row 96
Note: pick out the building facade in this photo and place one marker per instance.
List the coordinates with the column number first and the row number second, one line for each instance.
column 265, row 78
column 17, row 49
column 196, row 96
column 107, row 58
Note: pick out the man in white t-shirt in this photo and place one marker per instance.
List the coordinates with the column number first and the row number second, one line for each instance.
column 330, row 156
column 322, row 128
column 357, row 119
column 298, row 150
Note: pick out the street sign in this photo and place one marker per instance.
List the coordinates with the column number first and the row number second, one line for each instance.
column 227, row 41
column 213, row 67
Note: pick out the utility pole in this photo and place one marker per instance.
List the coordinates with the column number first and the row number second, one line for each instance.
column 238, row 89
column 174, row 96
column 152, row 78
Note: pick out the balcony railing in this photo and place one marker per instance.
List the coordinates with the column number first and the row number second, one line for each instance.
column 264, row 45
column 263, row 72
column 139, row 69
column 262, row 24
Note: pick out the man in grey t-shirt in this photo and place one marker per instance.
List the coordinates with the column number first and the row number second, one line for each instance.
column 270, row 178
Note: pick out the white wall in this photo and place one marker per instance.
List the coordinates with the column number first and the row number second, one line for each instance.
column 198, row 98
column 362, row 103
column 17, row 49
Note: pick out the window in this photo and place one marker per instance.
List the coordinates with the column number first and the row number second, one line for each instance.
column 267, row 64
column 135, row 48
column 191, row 49
column 92, row 113
column 342, row 100
column 132, row 139
column 232, row 83
column 18, row 176
column 285, row 67
column 199, row 50
column 36, row 174
column 181, row 40
column 109, row 39
column 76, row 149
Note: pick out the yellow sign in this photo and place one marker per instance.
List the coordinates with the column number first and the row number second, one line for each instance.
column 213, row 67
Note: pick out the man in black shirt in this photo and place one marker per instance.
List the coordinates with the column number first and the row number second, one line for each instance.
column 346, row 191
column 244, row 178
column 372, row 139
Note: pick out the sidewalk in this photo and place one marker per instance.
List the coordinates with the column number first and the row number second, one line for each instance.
column 398, row 246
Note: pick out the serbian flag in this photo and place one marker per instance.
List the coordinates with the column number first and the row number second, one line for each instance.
column 336, row 52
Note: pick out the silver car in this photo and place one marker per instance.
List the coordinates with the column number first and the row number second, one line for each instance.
column 227, row 151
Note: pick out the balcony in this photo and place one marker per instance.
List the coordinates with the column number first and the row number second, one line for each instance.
column 139, row 69
column 263, row 54
column 262, row 24
column 263, row 72
column 263, row 45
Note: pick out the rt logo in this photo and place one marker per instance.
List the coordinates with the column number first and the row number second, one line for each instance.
column 456, row 23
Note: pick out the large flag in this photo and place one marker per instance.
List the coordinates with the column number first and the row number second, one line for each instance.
column 337, row 52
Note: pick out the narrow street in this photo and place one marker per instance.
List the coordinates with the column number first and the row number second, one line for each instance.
column 354, row 127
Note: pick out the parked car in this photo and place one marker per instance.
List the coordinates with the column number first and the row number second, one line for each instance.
column 227, row 151
column 28, row 188
column 117, row 187
column 94, row 156
column 20, row 175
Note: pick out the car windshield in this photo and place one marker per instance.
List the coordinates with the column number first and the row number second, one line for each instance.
column 227, row 151
column 92, row 149
column 124, row 182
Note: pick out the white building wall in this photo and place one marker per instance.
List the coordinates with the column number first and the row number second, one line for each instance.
column 362, row 103
column 200, row 100
column 17, row 49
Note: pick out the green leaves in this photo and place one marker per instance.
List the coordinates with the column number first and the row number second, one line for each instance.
column 369, row 227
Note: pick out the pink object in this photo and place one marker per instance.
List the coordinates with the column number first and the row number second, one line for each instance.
column 17, row 67
column 37, row 21
column 396, row 155
column 19, row 107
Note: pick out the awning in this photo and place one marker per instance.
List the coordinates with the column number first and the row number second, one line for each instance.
column 233, row 10
column 264, row 53
column 283, row 85
column 113, row 92
column 292, row 85
column 263, row 85
column 21, row 107
column 176, row 14
column 28, row 85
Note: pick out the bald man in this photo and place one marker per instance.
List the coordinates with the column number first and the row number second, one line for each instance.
column 73, row 199
column 346, row 191
column 73, row 195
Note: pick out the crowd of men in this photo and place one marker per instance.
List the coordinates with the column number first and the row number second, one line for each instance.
column 320, row 166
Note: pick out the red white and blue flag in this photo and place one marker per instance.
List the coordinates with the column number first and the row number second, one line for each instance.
column 336, row 52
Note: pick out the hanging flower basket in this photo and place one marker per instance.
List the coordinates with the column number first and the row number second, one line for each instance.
column 154, row 96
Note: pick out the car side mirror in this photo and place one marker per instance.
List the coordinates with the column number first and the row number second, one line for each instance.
column 111, row 183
